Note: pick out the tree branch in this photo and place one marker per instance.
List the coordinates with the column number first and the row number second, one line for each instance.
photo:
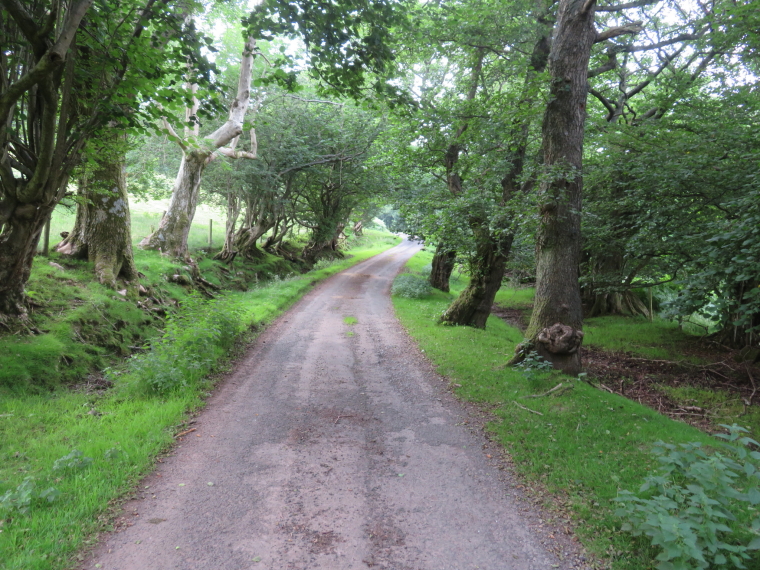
column 41, row 70
column 606, row 102
column 26, row 24
column 47, row 62
column 70, row 27
column 587, row 5
column 668, row 42
column 173, row 133
column 234, row 125
column 703, row 65
column 232, row 153
column 657, row 72
column 632, row 28
column 297, row 98
column 611, row 64
column 619, row 7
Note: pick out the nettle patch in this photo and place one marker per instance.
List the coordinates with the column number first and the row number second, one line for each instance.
column 700, row 509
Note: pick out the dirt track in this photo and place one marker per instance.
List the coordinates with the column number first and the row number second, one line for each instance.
column 331, row 446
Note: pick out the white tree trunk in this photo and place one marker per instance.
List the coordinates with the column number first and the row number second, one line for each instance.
column 172, row 232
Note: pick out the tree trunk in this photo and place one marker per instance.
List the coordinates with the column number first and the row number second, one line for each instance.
column 617, row 303
column 172, row 232
column 258, row 220
column 317, row 247
column 22, row 225
column 246, row 238
column 558, row 240
column 443, row 265
column 102, row 230
column 473, row 306
column 229, row 252
column 171, row 235
column 273, row 243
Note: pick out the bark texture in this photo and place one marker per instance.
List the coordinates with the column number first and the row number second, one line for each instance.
column 21, row 230
column 35, row 161
column 558, row 240
column 328, row 248
column 228, row 252
column 171, row 235
column 443, row 265
column 102, row 229
column 443, row 261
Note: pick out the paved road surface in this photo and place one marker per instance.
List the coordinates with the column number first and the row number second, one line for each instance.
column 334, row 447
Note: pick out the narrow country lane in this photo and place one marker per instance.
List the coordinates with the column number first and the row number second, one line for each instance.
column 331, row 446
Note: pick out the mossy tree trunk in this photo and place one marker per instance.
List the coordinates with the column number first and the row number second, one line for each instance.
column 275, row 241
column 41, row 133
column 325, row 242
column 21, row 226
column 443, row 266
column 493, row 245
column 102, row 229
column 258, row 220
column 228, row 251
column 473, row 306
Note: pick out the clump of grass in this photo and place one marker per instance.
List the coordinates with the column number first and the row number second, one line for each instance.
column 410, row 286
column 521, row 298
column 350, row 320
column 196, row 337
column 84, row 326
column 657, row 340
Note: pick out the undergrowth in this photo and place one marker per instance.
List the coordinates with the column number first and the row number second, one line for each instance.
column 585, row 448
column 700, row 509
column 411, row 286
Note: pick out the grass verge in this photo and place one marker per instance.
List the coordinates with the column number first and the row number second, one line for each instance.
column 118, row 432
column 581, row 445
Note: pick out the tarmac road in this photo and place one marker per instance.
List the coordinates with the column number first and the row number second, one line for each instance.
column 331, row 446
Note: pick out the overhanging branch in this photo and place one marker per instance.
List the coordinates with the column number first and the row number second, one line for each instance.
column 633, row 28
column 626, row 6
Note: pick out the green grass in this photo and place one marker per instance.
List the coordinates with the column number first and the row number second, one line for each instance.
column 83, row 325
column 350, row 320
column 586, row 446
column 516, row 298
column 146, row 215
column 660, row 339
column 37, row 429
column 724, row 407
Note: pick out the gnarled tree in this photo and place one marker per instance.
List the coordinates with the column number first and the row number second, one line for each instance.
column 54, row 95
